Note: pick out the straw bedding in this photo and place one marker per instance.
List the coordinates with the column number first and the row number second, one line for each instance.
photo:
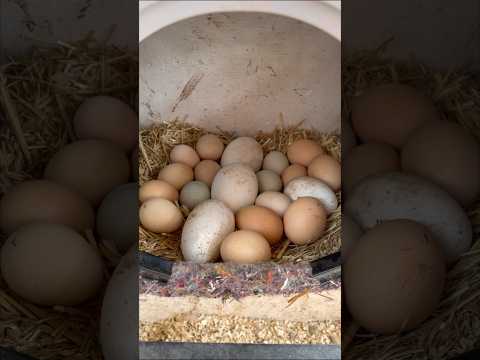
column 455, row 327
column 38, row 96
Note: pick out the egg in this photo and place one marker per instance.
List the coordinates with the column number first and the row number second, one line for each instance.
column 209, row 147
column 292, row 172
column 311, row 187
column 157, row 188
column 236, row 185
column 206, row 170
column 268, row 180
column 51, row 264
column 390, row 113
column 327, row 169
column 119, row 316
column 107, row 118
column 243, row 150
column 262, row 220
column 194, row 193
column 177, row 175
column 349, row 140
column 448, row 155
column 305, row 221
column 117, row 217
column 275, row 161
column 204, row 230
column 134, row 163
column 160, row 216
column 184, row 154
column 351, row 232
column 394, row 277
column 45, row 201
column 245, row 247
column 276, row 201
column 303, row 152
column 90, row 167
column 368, row 159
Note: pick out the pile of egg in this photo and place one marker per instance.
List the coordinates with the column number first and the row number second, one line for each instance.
column 407, row 187
column 48, row 257
column 240, row 202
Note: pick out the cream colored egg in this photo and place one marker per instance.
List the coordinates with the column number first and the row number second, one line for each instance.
column 45, row 201
column 275, row 161
column 303, row 151
column 262, row 220
column 292, row 172
column 184, row 154
column 245, row 247
column 276, row 201
column 160, row 216
column 327, row 169
column 51, row 264
column 206, row 170
column 194, row 193
column 209, row 147
column 243, row 150
column 268, row 180
column 157, row 188
column 236, row 185
column 107, row 118
column 90, row 167
column 305, row 221
column 177, row 175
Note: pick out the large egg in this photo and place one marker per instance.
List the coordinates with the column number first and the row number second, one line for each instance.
column 236, row 185
column 209, row 147
column 311, row 187
column 157, row 188
column 243, row 150
column 262, row 220
column 276, row 201
column 184, row 154
column 268, row 180
column 305, row 220
column 445, row 153
column 90, row 167
column 177, row 175
column 117, row 217
column 303, row 152
column 160, row 216
column 51, row 264
column 206, row 170
column 119, row 319
column 390, row 113
column 245, row 247
column 351, row 232
column 368, row 159
column 394, row 277
column 326, row 168
column 194, row 193
column 275, row 161
column 107, row 118
column 206, row 226
column 42, row 200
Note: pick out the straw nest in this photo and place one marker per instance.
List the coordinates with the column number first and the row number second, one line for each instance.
column 155, row 146
column 455, row 327
column 38, row 96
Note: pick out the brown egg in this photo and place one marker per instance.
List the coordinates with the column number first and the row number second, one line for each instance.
column 160, row 216
column 177, row 175
column 390, row 113
column 107, row 118
column 394, row 277
column 368, row 159
column 157, row 188
column 445, row 153
column 262, row 220
column 327, row 169
column 305, row 220
column 303, row 151
column 93, row 168
column 292, row 172
column 184, row 154
column 245, row 247
column 210, row 147
column 206, row 170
